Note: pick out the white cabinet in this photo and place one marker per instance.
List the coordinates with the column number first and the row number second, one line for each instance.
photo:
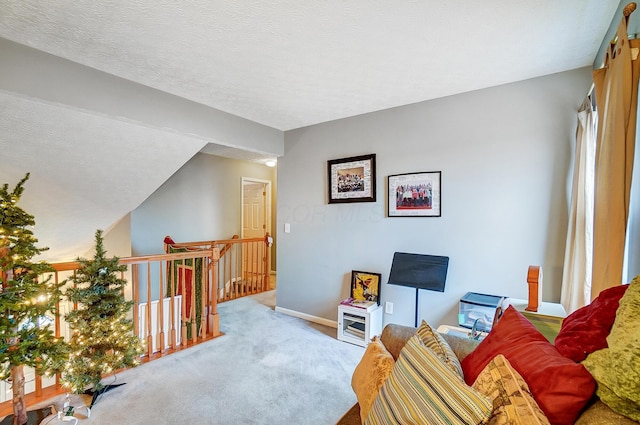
column 358, row 325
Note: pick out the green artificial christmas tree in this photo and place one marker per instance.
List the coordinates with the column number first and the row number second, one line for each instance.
column 103, row 340
column 27, row 300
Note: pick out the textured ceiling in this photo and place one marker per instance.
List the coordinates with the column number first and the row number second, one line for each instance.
column 291, row 63
column 284, row 64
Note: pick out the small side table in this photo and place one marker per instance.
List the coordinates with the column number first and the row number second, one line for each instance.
column 460, row 332
column 359, row 325
column 548, row 319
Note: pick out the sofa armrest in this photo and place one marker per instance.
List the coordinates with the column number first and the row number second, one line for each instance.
column 461, row 346
column 598, row 413
column 394, row 337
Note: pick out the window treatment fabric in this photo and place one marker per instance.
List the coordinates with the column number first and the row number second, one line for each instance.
column 578, row 259
column 616, row 89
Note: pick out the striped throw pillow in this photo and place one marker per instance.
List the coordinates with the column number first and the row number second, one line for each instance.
column 433, row 340
column 422, row 389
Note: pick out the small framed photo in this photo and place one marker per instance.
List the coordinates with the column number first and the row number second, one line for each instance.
column 365, row 287
column 352, row 179
column 414, row 194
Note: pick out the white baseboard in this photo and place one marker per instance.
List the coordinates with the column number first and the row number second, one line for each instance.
column 310, row 318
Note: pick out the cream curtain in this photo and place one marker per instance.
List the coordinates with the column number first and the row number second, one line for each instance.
column 576, row 276
column 616, row 87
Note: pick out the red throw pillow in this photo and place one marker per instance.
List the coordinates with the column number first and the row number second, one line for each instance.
column 586, row 329
column 560, row 386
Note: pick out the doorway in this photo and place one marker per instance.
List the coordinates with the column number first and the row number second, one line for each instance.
column 256, row 220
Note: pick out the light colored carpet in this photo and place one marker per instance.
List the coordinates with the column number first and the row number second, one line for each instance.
column 268, row 368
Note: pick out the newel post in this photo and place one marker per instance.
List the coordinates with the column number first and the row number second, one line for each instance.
column 268, row 241
column 213, row 319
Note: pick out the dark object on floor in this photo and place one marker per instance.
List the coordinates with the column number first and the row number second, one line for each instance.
column 34, row 417
column 96, row 394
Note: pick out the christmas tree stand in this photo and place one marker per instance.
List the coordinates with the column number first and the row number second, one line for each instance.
column 95, row 394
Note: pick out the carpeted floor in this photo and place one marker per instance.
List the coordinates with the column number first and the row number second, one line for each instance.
column 268, row 368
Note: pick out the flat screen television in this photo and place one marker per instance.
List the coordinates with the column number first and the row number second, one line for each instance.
column 419, row 271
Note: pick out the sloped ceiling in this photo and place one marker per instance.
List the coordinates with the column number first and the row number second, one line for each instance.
column 284, row 64
column 86, row 171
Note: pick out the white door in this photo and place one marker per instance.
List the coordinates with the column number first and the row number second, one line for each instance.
column 255, row 208
column 254, row 222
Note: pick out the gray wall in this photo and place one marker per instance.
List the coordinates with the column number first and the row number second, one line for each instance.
column 504, row 153
column 116, row 240
column 199, row 202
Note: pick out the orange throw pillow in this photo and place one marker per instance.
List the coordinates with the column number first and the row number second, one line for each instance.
column 374, row 368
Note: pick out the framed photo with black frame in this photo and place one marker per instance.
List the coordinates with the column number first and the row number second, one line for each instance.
column 365, row 287
column 414, row 194
column 352, row 179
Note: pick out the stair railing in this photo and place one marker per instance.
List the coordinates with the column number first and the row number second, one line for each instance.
column 243, row 267
column 165, row 326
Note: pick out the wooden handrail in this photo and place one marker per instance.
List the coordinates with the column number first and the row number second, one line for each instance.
column 65, row 267
column 228, row 246
column 74, row 265
column 187, row 245
column 166, row 257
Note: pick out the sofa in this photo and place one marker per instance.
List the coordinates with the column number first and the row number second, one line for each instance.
column 558, row 384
